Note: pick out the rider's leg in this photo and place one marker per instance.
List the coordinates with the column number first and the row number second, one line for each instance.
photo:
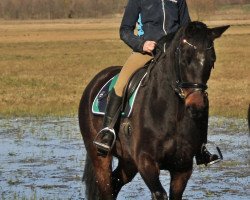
column 134, row 62
column 106, row 136
column 204, row 156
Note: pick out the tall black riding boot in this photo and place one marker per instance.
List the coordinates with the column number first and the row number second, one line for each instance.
column 205, row 157
column 106, row 136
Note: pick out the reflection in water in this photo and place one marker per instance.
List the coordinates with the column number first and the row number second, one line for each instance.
column 44, row 158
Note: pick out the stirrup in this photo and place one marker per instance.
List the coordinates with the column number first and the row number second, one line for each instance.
column 217, row 148
column 220, row 157
column 214, row 161
column 104, row 147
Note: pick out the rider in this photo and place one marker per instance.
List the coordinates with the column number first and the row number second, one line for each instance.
column 156, row 19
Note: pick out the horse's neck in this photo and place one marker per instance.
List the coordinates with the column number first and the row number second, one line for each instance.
column 160, row 86
column 163, row 76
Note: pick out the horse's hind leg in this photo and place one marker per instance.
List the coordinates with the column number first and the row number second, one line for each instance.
column 150, row 173
column 124, row 173
column 97, row 177
column 178, row 184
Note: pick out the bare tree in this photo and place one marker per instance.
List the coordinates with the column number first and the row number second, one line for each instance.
column 52, row 9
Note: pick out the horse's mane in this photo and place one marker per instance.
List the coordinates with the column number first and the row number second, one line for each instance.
column 170, row 39
column 167, row 40
column 192, row 29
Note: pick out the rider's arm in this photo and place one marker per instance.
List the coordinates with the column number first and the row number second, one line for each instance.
column 184, row 17
column 128, row 25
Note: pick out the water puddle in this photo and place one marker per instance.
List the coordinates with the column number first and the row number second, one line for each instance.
column 44, row 159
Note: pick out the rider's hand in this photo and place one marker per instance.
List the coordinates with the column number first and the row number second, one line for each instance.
column 149, row 46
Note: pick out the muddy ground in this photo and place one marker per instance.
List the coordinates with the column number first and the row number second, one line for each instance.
column 44, row 159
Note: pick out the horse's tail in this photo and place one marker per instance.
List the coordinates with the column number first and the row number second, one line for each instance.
column 91, row 192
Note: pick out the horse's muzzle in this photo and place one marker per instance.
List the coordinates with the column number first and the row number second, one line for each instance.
column 196, row 103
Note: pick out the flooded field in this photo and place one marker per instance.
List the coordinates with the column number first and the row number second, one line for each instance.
column 44, row 159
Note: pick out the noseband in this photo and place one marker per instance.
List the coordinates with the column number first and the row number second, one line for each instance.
column 180, row 84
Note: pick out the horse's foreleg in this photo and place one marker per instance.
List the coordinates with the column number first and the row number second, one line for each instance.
column 123, row 174
column 178, row 184
column 150, row 173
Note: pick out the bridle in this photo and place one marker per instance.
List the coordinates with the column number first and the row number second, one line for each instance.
column 179, row 84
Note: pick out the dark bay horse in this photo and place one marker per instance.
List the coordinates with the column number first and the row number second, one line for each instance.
column 168, row 124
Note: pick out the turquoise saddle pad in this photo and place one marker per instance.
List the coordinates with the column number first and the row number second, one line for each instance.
column 100, row 101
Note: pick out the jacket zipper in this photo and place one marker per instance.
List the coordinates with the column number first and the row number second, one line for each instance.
column 164, row 17
column 164, row 21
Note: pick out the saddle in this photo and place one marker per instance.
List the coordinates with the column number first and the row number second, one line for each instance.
column 131, row 90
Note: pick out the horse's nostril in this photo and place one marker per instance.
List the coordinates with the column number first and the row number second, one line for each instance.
column 194, row 112
column 189, row 108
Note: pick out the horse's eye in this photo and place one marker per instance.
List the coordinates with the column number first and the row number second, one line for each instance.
column 210, row 46
column 212, row 56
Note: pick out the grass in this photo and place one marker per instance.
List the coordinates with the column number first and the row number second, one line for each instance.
column 45, row 65
column 45, row 74
column 229, row 89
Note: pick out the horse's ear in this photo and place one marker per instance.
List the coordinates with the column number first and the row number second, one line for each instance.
column 217, row 32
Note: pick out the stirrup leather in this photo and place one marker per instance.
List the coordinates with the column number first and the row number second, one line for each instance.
column 102, row 146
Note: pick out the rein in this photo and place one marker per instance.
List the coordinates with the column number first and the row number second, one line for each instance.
column 180, row 84
column 152, row 64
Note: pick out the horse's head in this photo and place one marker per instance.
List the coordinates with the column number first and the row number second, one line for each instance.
column 195, row 57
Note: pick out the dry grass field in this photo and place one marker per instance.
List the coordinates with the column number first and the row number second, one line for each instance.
column 45, row 65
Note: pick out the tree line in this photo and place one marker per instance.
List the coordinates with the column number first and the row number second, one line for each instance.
column 56, row 9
